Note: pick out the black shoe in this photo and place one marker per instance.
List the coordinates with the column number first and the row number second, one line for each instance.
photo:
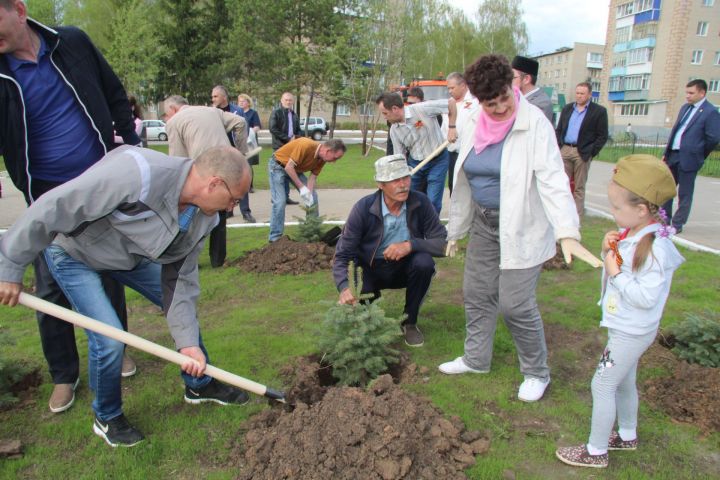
column 216, row 392
column 118, row 432
column 249, row 218
column 290, row 201
column 413, row 335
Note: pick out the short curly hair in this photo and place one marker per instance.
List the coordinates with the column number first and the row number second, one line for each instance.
column 489, row 77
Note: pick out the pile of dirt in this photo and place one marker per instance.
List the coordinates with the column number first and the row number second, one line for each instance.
column 286, row 256
column 557, row 262
column 689, row 395
column 383, row 432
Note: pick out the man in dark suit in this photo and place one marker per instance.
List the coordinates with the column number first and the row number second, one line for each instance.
column 581, row 133
column 525, row 72
column 695, row 134
column 284, row 127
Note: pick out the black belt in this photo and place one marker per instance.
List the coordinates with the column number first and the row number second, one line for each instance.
column 571, row 144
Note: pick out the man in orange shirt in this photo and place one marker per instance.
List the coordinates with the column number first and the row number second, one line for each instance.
column 290, row 162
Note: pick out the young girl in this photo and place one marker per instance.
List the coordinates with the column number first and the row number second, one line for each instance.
column 639, row 262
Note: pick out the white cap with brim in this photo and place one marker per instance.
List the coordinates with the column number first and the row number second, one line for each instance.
column 391, row 168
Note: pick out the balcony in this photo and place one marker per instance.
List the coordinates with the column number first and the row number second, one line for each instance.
column 633, row 95
column 591, row 64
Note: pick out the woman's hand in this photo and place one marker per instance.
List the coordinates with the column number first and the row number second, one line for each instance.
column 571, row 247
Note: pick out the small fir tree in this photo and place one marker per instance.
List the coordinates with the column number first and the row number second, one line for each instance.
column 356, row 338
column 310, row 227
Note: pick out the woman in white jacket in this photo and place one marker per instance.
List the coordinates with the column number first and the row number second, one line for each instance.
column 513, row 197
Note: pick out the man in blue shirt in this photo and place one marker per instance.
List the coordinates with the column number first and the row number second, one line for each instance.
column 581, row 133
column 392, row 235
column 60, row 103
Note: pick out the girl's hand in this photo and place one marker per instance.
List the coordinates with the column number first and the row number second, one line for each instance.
column 611, row 266
column 610, row 237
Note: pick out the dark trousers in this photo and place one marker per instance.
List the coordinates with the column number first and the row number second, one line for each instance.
column 218, row 246
column 57, row 336
column 413, row 273
column 686, row 187
column 451, row 169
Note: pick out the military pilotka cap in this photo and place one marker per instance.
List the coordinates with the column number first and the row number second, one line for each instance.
column 391, row 168
column 646, row 176
column 525, row 65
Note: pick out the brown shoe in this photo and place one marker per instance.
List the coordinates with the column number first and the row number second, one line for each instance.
column 128, row 366
column 63, row 396
column 580, row 457
column 615, row 442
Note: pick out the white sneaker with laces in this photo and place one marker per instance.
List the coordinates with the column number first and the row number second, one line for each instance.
column 532, row 389
column 458, row 366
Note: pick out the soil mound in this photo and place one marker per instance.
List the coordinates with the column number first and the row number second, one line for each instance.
column 689, row 395
column 286, row 256
column 383, row 433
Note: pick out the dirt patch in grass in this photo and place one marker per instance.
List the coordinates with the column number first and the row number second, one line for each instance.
column 689, row 394
column 586, row 350
column 286, row 256
column 382, row 432
column 25, row 390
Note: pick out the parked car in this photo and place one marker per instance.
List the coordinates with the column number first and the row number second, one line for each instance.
column 317, row 127
column 155, row 130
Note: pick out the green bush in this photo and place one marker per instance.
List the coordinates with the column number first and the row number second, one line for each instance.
column 697, row 338
column 356, row 338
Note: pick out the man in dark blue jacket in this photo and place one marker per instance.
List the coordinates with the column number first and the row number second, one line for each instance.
column 695, row 134
column 59, row 104
column 392, row 235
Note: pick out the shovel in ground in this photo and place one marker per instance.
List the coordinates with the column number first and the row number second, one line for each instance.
column 145, row 345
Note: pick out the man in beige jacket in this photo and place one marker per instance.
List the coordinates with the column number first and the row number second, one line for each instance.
column 192, row 130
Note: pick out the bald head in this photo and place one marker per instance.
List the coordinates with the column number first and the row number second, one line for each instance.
column 224, row 162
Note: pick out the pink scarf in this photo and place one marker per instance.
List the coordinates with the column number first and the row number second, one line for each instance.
column 489, row 131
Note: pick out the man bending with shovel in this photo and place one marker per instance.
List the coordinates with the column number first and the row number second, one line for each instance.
column 141, row 217
column 414, row 129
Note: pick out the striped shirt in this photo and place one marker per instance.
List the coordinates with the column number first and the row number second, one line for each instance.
column 420, row 134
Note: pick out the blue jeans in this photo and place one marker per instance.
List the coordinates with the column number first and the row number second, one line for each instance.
column 430, row 179
column 278, row 197
column 83, row 288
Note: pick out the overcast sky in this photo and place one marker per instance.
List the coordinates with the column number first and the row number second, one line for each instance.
column 553, row 24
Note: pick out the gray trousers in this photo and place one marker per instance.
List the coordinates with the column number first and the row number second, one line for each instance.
column 487, row 289
column 613, row 386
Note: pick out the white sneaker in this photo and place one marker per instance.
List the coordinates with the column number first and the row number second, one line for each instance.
column 532, row 389
column 457, row 366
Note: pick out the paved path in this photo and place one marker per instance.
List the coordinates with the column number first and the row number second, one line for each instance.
column 703, row 229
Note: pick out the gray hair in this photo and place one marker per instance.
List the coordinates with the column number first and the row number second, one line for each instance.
column 457, row 77
column 224, row 162
column 175, row 100
column 335, row 145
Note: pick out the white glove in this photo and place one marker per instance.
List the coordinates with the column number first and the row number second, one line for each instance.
column 307, row 196
column 451, row 248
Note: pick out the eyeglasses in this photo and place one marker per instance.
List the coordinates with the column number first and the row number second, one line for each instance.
column 235, row 201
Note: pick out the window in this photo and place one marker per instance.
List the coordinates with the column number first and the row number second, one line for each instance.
column 594, row 57
column 644, row 30
column 637, row 82
column 717, row 58
column 343, row 110
column 697, row 56
column 564, row 86
column 620, row 59
column 624, row 10
column 634, row 110
column 642, row 5
column 702, row 29
column 714, row 86
column 639, row 55
column 557, row 73
column 622, row 34
column 708, row 3
column 614, row 84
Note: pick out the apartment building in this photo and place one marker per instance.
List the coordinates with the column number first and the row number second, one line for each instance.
column 564, row 68
column 653, row 48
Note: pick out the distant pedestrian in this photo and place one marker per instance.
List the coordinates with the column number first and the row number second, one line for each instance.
column 525, row 71
column 285, row 127
column 581, row 133
column 695, row 134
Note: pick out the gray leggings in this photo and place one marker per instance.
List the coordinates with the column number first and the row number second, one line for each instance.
column 487, row 289
column 613, row 386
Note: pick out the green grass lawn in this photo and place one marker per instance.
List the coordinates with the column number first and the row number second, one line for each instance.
column 253, row 324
